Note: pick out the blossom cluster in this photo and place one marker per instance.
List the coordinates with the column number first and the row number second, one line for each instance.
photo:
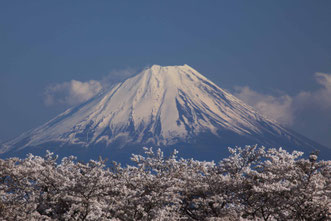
column 253, row 183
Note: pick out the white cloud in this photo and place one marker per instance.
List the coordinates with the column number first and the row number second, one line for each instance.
column 283, row 108
column 277, row 108
column 320, row 98
column 71, row 93
column 75, row 92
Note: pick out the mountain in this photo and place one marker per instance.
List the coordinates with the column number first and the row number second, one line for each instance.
column 168, row 107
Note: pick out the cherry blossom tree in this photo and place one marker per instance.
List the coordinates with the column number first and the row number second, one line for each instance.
column 253, row 183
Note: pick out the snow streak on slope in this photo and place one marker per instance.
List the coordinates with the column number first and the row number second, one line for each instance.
column 161, row 105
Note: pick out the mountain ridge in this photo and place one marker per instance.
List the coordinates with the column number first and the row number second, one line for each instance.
column 160, row 106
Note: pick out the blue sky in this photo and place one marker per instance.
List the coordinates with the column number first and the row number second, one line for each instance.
column 275, row 55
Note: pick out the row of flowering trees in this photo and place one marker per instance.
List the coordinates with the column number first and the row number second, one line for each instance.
column 251, row 184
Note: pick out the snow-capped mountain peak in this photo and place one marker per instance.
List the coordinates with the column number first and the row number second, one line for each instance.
column 159, row 106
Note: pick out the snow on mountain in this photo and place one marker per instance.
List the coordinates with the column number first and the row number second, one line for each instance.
column 160, row 106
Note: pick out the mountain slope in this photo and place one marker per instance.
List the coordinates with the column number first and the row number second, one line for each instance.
column 161, row 106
